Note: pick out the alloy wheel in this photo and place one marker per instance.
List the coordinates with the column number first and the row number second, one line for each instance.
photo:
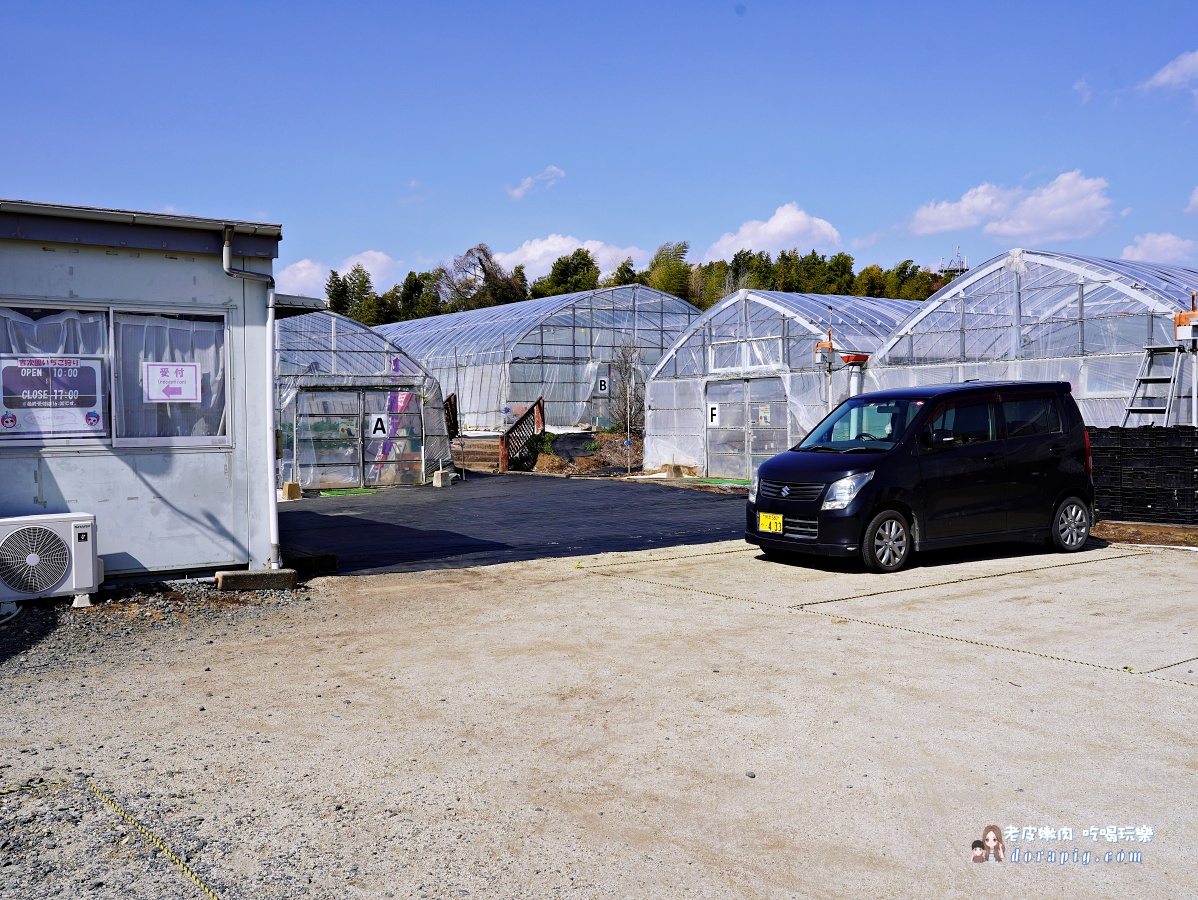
column 890, row 543
column 1073, row 525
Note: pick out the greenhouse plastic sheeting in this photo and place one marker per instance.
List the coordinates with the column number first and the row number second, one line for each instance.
column 1101, row 385
column 752, row 358
column 1037, row 315
column 334, row 377
column 500, row 360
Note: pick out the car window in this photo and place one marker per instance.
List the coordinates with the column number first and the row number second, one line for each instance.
column 970, row 421
column 860, row 424
column 1031, row 415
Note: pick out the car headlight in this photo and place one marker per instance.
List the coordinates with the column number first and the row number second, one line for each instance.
column 753, row 490
column 841, row 493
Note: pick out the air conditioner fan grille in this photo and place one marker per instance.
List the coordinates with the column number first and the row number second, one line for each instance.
column 33, row 559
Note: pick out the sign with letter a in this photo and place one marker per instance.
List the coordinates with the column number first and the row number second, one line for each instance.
column 378, row 428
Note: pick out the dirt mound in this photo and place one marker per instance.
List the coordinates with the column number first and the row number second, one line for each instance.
column 591, row 454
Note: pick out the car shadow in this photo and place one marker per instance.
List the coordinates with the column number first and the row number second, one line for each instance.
column 933, row 559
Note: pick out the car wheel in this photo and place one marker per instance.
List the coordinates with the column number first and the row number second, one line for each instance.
column 775, row 555
column 1071, row 525
column 887, row 543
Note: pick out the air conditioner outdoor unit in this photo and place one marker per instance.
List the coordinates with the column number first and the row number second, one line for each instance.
column 48, row 556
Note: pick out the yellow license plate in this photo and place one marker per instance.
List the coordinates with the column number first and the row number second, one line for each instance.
column 769, row 522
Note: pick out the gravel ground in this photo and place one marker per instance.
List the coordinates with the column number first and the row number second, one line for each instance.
column 685, row 722
column 57, row 838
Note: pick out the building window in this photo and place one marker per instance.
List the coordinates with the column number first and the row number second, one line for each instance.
column 170, row 379
column 53, row 372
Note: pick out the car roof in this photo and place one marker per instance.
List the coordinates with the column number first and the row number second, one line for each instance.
column 930, row 391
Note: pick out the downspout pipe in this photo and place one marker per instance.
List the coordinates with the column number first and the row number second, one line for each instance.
column 271, row 460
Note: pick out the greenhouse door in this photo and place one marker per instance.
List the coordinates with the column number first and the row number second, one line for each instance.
column 747, row 423
column 601, row 397
column 349, row 439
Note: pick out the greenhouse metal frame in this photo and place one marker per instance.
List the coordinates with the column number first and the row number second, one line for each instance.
column 744, row 382
column 501, row 359
column 360, row 411
column 1039, row 315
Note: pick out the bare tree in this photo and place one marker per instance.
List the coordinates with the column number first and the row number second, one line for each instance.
column 475, row 280
column 628, row 389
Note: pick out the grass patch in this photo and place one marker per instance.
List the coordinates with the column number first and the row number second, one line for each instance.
column 723, row 480
column 346, row 492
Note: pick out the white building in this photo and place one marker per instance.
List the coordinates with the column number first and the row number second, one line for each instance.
column 135, row 361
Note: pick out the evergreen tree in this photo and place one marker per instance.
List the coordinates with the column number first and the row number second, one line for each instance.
column 359, row 290
column 570, row 274
column 871, row 282
column 625, row 273
column 669, row 271
column 409, row 296
column 337, row 292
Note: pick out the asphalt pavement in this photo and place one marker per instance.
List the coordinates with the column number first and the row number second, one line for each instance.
column 491, row 519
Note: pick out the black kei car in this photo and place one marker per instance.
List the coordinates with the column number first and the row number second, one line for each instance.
column 893, row 472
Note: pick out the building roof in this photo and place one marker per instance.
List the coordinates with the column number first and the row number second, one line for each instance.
column 858, row 324
column 978, row 310
column 494, row 331
column 322, row 344
column 97, row 226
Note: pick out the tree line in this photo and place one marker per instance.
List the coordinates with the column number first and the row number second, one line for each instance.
column 475, row 280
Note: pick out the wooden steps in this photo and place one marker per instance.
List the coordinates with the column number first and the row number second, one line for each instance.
column 477, row 454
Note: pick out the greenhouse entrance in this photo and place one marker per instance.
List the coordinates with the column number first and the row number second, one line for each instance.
column 358, row 438
column 747, row 423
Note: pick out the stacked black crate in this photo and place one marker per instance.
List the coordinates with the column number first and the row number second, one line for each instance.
column 1176, row 452
column 1106, row 448
column 1139, row 477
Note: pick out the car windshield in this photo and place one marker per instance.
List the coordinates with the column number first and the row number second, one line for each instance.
column 860, row 425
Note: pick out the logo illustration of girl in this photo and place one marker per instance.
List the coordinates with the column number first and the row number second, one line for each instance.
column 992, row 839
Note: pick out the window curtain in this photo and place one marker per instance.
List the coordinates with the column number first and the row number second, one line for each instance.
column 67, row 333
column 168, row 339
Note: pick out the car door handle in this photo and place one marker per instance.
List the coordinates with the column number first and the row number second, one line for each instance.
column 991, row 458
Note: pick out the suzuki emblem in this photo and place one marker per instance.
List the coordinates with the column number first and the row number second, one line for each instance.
column 786, row 490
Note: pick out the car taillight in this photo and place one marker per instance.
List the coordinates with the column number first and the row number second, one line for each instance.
column 1089, row 459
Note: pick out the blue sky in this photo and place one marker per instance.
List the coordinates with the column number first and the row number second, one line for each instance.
column 401, row 134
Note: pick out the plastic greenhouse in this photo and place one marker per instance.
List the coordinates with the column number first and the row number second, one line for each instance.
column 500, row 360
column 354, row 410
column 744, row 382
column 1036, row 315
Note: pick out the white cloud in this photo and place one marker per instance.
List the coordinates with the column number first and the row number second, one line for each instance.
column 307, row 277
column 1193, row 205
column 985, row 202
column 1068, row 207
column 1180, row 73
column 789, row 227
column 1083, row 89
column 550, row 176
column 382, row 268
column 1160, row 247
column 538, row 254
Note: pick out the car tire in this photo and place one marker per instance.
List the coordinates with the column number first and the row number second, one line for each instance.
column 887, row 545
column 775, row 555
column 1070, row 526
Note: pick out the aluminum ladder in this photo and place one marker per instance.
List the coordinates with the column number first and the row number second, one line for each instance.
column 1161, row 365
